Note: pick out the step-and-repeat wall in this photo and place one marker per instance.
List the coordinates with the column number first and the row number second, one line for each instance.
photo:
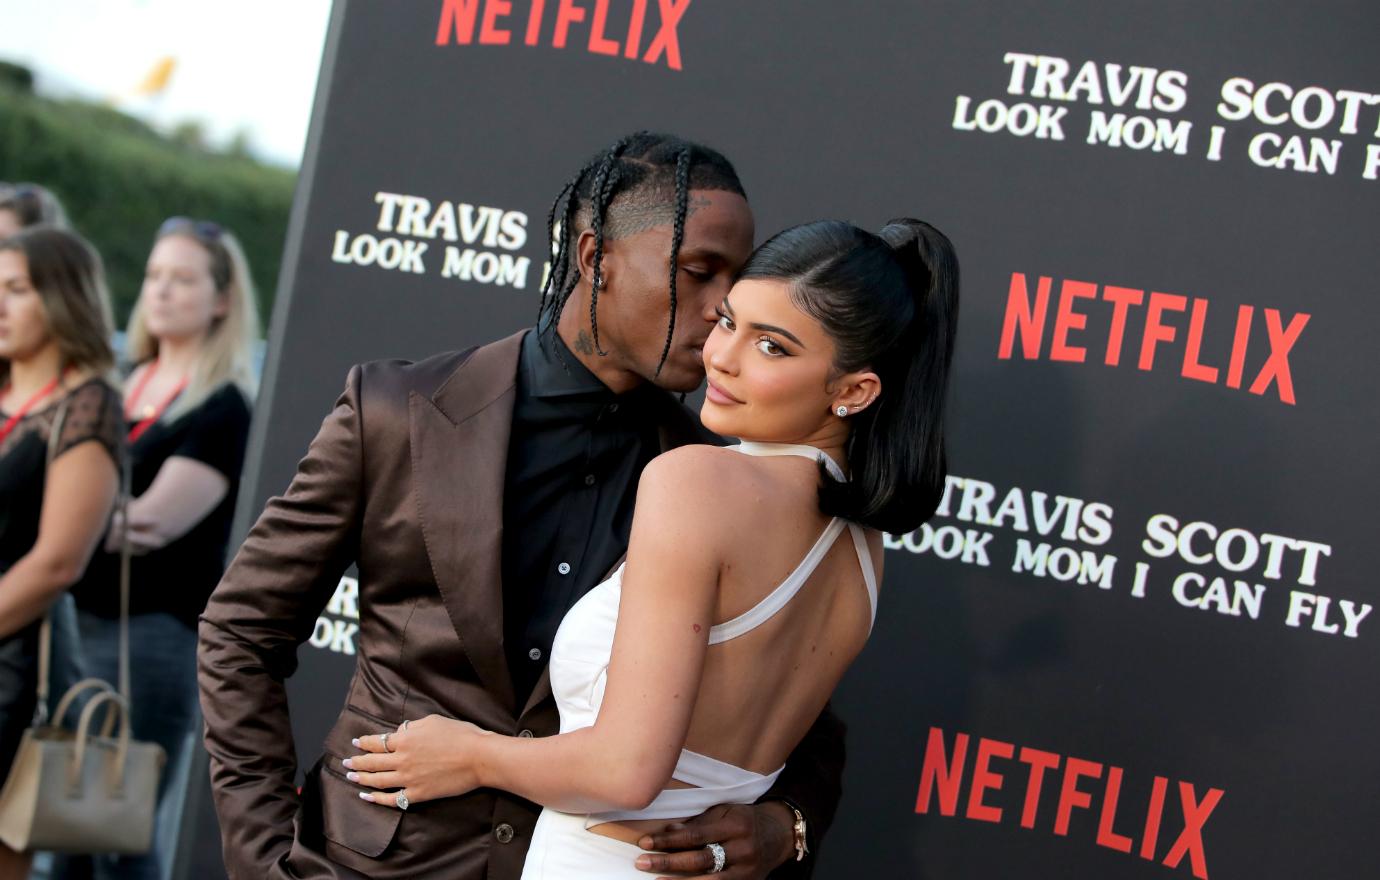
column 1138, row 640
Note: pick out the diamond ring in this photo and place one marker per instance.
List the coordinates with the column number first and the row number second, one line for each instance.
column 401, row 800
column 720, row 857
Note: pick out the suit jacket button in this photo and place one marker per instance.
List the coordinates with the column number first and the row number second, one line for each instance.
column 504, row 833
column 525, row 734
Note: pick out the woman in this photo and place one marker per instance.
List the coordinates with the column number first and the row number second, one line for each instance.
column 187, row 421
column 27, row 204
column 54, row 401
column 830, row 361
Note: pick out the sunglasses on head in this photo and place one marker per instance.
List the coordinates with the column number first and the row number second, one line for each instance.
column 202, row 229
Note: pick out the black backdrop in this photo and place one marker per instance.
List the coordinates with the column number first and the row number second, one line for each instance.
column 1145, row 604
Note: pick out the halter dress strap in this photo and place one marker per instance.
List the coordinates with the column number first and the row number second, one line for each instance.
column 782, row 595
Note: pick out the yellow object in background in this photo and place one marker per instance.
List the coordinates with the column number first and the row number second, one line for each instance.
column 158, row 78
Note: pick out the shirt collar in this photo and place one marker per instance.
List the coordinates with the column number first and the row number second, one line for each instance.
column 550, row 369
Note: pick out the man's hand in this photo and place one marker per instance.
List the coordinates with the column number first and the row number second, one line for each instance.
column 756, row 839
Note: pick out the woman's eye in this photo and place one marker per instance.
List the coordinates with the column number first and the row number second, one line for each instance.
column 767, row 346
column 725, row 322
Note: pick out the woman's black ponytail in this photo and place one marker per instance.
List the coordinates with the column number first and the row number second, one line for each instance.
column 890, row 303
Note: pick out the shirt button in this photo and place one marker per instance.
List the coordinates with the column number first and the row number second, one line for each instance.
column 535, row 653
column 589, row 479
column 504, row 833
column 563, row 568
column 525, row 734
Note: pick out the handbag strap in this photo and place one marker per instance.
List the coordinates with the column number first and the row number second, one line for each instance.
column 126, row 487
column 45, row 630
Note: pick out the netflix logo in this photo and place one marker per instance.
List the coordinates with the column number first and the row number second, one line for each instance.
column 636, row 30
column 1171, row 332
column 982, row 769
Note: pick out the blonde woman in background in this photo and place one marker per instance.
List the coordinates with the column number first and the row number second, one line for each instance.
column 54, row 357
column 187, row 410
column 27, row 204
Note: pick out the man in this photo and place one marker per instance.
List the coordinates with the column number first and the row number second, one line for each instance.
column 481, row 494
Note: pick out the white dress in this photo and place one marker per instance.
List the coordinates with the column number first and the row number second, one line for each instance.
column 562, row 847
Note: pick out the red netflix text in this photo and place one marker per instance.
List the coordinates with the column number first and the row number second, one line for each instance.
column 1163, row 338
column 943, row 780
column 643, row 30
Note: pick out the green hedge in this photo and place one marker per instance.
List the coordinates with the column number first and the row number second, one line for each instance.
column 119, row 179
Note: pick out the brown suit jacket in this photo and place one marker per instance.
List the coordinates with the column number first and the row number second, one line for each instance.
column 405, row 480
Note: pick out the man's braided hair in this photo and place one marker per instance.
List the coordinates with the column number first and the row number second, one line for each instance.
column 641, row 181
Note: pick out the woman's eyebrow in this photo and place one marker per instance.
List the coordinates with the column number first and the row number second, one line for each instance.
column 770, row 328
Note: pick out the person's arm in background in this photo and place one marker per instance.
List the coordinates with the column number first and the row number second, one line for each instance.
column 194, row 479
column 264, row 607
column 77, row 497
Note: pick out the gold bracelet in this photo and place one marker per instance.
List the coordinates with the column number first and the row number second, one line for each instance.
column 801, row 848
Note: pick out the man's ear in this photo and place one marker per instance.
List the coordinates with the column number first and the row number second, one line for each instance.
column 584, row 252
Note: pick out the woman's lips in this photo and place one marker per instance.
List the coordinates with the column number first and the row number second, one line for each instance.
column 715, row 394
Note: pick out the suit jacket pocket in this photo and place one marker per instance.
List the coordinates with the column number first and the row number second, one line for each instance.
column 353, row 823
column 345, row 819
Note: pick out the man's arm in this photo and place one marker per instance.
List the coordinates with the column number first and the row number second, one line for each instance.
column 813, row 784
column 264, row 607
column 760, row 838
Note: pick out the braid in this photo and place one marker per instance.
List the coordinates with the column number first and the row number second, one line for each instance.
column 561, row 288
column 677, row 235
column 600, row 194
column 556, row 264
column 552, row 300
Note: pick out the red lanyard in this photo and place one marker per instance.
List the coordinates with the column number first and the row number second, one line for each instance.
column 156, row 412
column 18, row 417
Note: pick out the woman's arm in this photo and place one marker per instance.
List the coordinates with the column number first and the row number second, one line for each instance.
column 670, row 588
column 183, row 493
column 79, row 492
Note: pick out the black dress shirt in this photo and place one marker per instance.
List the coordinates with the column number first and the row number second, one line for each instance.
column 574, row 458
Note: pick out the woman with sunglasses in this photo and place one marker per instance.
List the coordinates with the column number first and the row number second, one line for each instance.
column 27, row 204
column 187, row 409
column 59, row 440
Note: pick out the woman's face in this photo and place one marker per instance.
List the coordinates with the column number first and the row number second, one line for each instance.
column 9, row 223
column 770, row 371
column 23, row 318
column 179, row 298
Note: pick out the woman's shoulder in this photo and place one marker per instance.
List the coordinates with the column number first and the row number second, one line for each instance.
column 92, row 390
column 694, row 461
column 701, row 478
column 228, row 396
column 92, row 410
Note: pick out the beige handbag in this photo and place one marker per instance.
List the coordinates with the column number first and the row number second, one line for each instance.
column 83, row 791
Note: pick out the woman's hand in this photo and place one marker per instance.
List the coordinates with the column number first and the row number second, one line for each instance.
column 430, row 758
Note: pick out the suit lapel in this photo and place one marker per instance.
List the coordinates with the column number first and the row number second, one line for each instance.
column 459, row 455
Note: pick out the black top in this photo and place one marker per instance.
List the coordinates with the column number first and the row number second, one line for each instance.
column 574, row 458
column 178, row 578
column 93, row 414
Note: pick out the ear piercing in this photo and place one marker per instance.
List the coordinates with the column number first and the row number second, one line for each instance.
column 842, row 411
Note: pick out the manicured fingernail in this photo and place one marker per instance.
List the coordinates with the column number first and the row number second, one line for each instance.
column 366, row 796
column 645, row 842
column 353, row 777
column 355, row 742
column 643, row 863
column 347, row 763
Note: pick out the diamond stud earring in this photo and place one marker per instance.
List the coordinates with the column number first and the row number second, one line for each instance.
column 842, row 411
